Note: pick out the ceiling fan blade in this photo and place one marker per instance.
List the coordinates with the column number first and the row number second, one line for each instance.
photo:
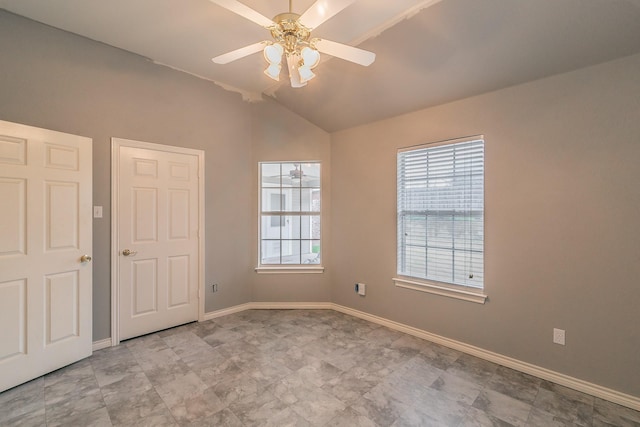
column 343, row 51
column 225, row 58
column 245, row 11
column 321, row 11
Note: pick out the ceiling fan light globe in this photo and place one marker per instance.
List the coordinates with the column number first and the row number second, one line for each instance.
column 310, row 57
column 273, row 71
column 305, row 73
column 294, row 74
column 273, row 53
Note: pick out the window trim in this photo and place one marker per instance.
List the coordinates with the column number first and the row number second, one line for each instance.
column 451, row 290
column 293, row 268
column 438, row 288
column 289, row 268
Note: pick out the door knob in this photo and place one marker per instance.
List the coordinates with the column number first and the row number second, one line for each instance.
column 128, row 252
column 85, row 258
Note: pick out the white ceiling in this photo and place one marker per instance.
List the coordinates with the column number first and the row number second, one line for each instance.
column 445, row 49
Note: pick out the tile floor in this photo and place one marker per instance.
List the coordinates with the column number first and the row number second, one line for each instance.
column 295, row 368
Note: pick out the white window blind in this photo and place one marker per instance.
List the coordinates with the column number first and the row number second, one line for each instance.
column 441, row 212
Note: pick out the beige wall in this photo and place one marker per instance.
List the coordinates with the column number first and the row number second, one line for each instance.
column 562, row 204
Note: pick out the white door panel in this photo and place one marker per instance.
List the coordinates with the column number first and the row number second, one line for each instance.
column 178, row 281
column 61, row 302
column 13, row 216
column 61, row 222
column 45, row 228
column 158, row 221
column 13, row 306
column 144, row 287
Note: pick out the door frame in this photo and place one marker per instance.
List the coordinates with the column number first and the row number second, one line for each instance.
column 116, row 143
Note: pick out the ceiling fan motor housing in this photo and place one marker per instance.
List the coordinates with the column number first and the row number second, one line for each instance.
column 290, row 33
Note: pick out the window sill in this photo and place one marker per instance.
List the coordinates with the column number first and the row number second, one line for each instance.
column 477, row 297
column 289, row 270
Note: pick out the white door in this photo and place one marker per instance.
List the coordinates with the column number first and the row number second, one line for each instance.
column 158, row 242
column 45, row 230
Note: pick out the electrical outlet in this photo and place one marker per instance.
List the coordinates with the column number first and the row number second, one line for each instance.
column 558, row 336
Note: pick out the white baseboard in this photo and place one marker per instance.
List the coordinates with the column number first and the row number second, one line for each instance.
column 99, row 345
column 605, row 393
column 269, row 306
column 291, row 305
column 226, row 311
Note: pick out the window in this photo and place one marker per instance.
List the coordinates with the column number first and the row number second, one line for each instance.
column 441, row 216
column 289, row 214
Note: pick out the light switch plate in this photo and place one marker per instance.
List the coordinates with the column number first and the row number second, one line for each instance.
column 362, row 289
column 97, row 211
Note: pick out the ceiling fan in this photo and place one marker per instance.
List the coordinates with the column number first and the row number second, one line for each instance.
column 292, row 39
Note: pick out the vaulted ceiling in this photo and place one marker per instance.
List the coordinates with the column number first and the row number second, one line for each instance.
column 428, row 52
